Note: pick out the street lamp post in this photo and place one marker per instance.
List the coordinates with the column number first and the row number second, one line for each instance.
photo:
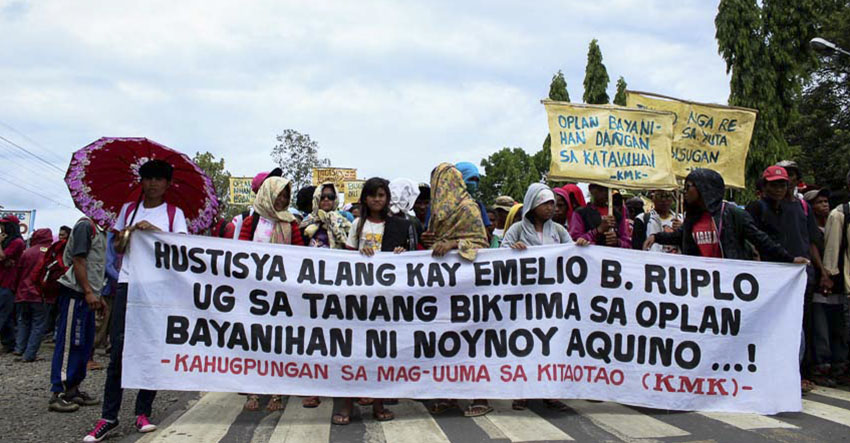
column 820, row 44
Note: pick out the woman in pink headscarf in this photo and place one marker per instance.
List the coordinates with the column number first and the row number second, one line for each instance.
column 567, row 200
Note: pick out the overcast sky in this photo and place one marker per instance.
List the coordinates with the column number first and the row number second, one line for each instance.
column 390, row 88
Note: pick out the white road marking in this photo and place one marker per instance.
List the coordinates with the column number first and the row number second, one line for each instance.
column 308, row 425
column 413, row 422
column 827, row 412
column 207, row 421
column 747, row 422
column 624, row 422
column 519, row 426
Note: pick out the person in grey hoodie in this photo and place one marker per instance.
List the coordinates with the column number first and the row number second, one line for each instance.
column 537, row 227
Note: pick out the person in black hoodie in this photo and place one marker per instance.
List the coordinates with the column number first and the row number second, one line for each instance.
column 714, row 228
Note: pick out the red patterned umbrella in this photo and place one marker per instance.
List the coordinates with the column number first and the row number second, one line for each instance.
column 105, row 174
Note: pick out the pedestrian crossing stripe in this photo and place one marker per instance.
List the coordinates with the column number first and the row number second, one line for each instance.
column 211, row 417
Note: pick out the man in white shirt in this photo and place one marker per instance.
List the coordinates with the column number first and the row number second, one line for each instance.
column 151, row 213
column 662, row 218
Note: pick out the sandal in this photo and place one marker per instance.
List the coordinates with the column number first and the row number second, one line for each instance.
column 365, row 401
column 275, row 403
column 519, row 405
column 442, row 406
column 477, row 410
column 557, row 405
column 340, row 419
column 383, row 415
column 806, row 386
column 252, row 403
column 311, row 402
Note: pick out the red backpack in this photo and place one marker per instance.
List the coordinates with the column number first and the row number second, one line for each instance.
column 52, row 267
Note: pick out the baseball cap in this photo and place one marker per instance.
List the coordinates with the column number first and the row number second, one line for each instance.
column 504, row 202
column 773, row 173
column 790, row 164
column 10, row 218
column 815, row 193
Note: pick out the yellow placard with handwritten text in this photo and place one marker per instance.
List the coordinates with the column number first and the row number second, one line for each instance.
column 610, row 145
column 704, row 135
column 337, row 176
column 240, row 191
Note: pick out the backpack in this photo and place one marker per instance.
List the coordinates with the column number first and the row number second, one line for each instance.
column 52, row 267
column 134, row 206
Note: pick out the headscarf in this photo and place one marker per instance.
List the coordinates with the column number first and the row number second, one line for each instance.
column 468, row 170
column 336, row 225
column 537, row 194
column 454, row 214
column 513, row 216
column 264, row 206
column 403, row 194
column 575, row 191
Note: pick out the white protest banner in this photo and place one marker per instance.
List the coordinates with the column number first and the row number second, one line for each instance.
column 650, row 329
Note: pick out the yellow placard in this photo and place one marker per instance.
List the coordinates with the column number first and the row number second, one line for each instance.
column 704, row 135
column 610, row 145
column 240, row 191
column 353, row 188
column 337, row 176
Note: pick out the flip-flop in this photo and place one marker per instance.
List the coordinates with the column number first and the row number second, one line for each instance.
column 339, row 419
column 256, row 401
column 442, row 406
column 477, row 410
column 557, row 405
column 311, row 402
column 383, row 415
column 519, row 405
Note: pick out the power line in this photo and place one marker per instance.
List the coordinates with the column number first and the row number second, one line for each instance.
column 29, row 139
column 31, row 153
column 36, row 193
column 17, row 160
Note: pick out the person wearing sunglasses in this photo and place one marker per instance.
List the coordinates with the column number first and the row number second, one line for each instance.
column 325, row 227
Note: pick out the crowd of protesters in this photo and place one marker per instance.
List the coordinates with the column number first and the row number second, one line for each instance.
column 58, row 288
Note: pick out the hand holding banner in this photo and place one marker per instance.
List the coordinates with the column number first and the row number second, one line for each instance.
column 610, row 145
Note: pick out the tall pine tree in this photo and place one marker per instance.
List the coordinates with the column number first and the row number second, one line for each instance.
column 595, row 77
column 557, row 91
column 620, row 98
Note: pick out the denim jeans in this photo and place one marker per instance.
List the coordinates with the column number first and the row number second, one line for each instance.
column 7, row 318
column 32, row 318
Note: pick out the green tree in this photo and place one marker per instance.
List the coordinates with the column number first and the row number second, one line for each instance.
column 507, row 172
column 220, row 177
column 765, row 46
column 821, row 129
column 620, row 98
column 557, row 91
column 595, row 77
column 297, row 154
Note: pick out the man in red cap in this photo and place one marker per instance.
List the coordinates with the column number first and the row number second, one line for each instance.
column 791, row 223
column 11, row 247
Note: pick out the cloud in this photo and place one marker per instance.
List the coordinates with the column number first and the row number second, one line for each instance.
column 390, row 88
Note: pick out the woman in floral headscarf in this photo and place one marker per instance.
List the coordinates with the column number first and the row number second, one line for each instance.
column 324, row 228
column 455, row 224
column 455, row 217
column 271, row 223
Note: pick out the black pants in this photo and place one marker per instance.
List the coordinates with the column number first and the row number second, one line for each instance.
column 112, row 391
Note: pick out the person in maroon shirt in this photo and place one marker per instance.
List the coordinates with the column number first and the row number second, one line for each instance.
column 32, row 306
column 11, row 248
